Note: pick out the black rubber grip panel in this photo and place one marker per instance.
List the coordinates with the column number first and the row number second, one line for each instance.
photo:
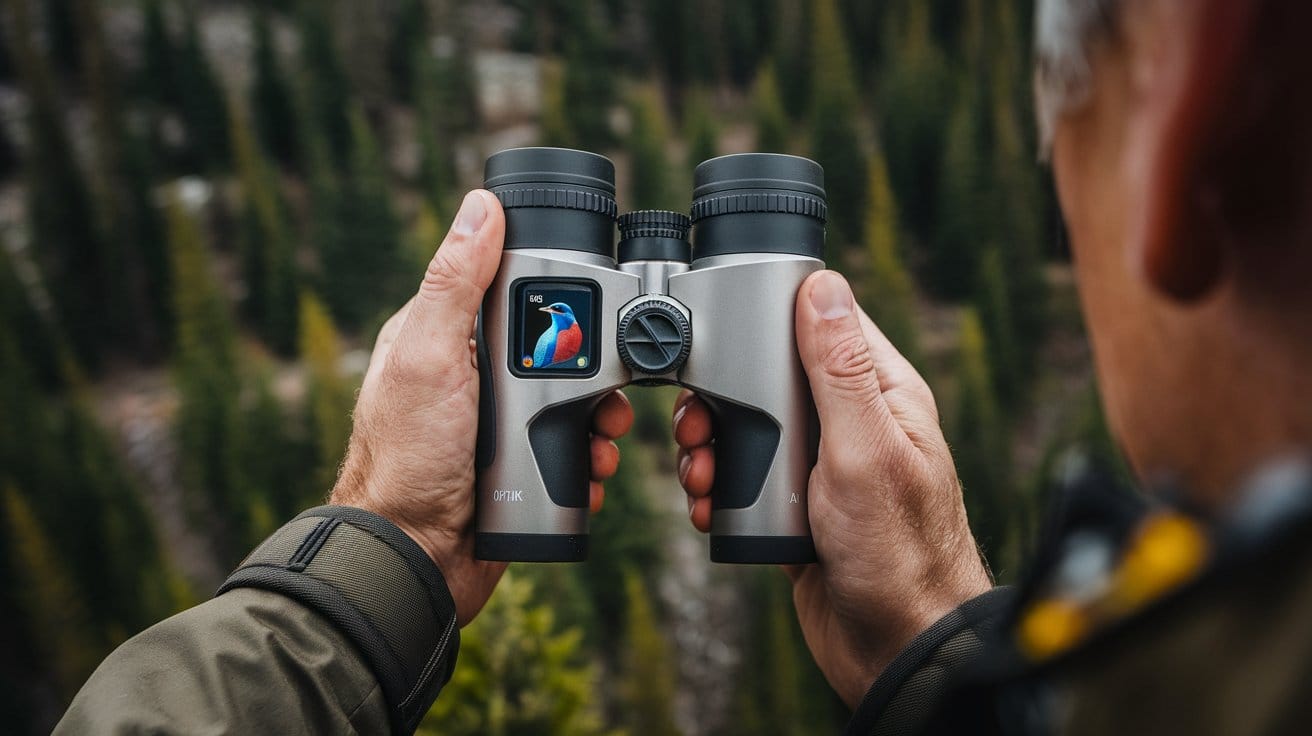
column 531, row 547
column 746, row 441
column 561, row 448
column 486, row 448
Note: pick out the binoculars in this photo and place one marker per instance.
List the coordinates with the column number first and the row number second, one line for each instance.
column 570, row 317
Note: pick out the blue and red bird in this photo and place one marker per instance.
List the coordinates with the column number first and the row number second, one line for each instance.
column 562, row 340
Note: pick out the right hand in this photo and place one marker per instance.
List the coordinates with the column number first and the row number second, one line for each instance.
column 895, row 552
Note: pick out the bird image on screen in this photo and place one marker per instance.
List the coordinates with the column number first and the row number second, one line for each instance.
column 562, row 340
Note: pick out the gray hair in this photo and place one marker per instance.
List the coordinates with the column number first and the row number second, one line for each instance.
column 1064, row 31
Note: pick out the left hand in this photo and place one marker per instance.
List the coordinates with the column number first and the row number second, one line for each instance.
column 411, row 455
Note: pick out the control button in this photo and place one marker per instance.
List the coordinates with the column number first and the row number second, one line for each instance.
column 654, row 338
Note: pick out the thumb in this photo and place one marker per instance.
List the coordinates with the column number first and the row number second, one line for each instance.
column 443, row 312
column 838, row 359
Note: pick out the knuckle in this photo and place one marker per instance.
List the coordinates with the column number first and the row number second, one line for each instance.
column 444, row 275
column 848, row 360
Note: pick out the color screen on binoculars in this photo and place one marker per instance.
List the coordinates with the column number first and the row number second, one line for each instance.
column 554, row 326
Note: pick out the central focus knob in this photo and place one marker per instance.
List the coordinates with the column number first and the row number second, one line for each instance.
column 654, row 338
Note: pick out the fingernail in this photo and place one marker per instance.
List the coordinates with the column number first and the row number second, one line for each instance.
column 678, row 415
column 472, row 215
column 691, row 505
column 831, row 296
column 684, row 463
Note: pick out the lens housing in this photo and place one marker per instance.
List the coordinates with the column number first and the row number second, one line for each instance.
column 759, row 203
column 555, row 198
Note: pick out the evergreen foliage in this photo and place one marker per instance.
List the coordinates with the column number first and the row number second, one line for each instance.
column 329, row 397
column 646, row 685
column 650, row 186
column 201, row 101
column 556, row 130
column 589, row 90
column 994, row 303
column 700, row 130
column 327, row 89
column 364, row 266
column 774, row 132
column 437, row 175
column 518, row 673
column 408, row 38
column 835, row 137
column 268, row 255
column 980, row 441
column 272, row 103
column 889, row 293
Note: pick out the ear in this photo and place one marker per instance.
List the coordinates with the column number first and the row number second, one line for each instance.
column 1188, row 59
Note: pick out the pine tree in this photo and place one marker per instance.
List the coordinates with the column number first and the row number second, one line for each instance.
column 327, row 89
column 74, row 255
column 201, row 101
column 963, row 220
column 588, row 85
column 274, row 457
column 268, row 256
column 365, row 270
column 556, row 130
column 792, row 57
column 981, row 445
column 518, row 673
column 700, row 130
column 53, row 608
column 889, row 294
column 437, row 175
column 650, row 185
column 271, row 98
column 156, row 80
column 205, row 371
column 647, row 682
column 994, row 303
column 835, row 138
column 330, row 397
column 774, row 131
column 62, row 38
column 409, row 37
column 916, row 93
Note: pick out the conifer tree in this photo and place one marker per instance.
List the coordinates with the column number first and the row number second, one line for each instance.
column 65, row 47
column 792, row 59
column 201, row 101
column 981, row 446
column 588, row 85
column 268, row 257
column 774, row 132
column 700, row 130
column 53, row 608
column 329, row 397
column 647, row 682
column 437, row 175
column 365, row 269
column 962, row 205
column 916, row 93
column 555, row 120
column 835, row 138
column 205, row 371
column 889, row 296
column 74, row 255
column 518, row 673
column 994, row 303
column 650, row 184
column 274, row 458
column 271, row 98
column 327, row 89
column 408, row 38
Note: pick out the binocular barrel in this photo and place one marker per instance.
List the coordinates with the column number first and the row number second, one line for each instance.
column 566, row 322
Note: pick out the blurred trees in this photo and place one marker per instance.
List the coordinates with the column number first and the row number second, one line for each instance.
column 646, row 689
column 835, row 117
column 650, row 187
column 889, row 295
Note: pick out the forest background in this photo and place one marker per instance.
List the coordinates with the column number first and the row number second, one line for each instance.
column 207, row 209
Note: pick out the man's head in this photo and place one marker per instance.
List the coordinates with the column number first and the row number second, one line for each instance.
column 1180, row 133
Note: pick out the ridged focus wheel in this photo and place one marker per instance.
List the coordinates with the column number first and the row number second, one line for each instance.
column 654, row 338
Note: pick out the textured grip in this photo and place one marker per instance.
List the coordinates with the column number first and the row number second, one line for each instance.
column 560, row 440
column 746, row 441
column 486, row 448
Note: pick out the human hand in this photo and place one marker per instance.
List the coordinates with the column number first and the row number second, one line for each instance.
column 411, row 455
column 895, row 552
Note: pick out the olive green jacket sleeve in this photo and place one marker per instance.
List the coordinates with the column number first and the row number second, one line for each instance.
column 338, row 623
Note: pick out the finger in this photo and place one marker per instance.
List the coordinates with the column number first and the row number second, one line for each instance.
column 613, row 417
column 697, row 470
column 699, row 513
column 605, row 458
column 839, row 362
column 596, row 496
column 442, row 317
column 907, row 395
column 684, row 396
column 692, row 424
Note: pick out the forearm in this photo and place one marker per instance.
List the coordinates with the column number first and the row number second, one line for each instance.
column 337, row 623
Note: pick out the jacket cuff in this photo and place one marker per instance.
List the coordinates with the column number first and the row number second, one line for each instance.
column 377, row 586
column 903, row 696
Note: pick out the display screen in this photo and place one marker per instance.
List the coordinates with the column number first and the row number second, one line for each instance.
column 554, row 329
